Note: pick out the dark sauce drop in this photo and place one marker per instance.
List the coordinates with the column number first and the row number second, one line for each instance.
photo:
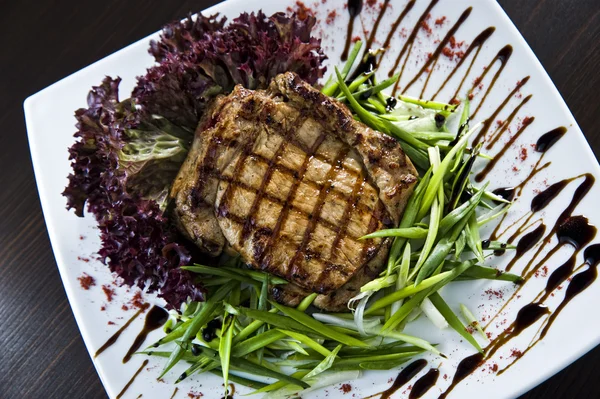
column 592, row 254
column 547, row 140
column 560, row 275
column 508, row 193
column 366, row 66
column 530, row 239
column 133, row 377
column 541, row 200
column 354, row 8
column 485, row 244
column 464, row 368
column 578, row 284
column 580, row 192
column 439, row 120
column 210, row 331
column 117, row 334
column 390, row 104
column 577, row 231
column 196, row 349
column 423, row 384
column 155, row 318
column 528, row 315
column 230, row 392
column 405, row 375
column 501, row 251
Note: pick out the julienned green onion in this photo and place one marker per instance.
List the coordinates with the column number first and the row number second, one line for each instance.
column 436, row 242
column 472, row 321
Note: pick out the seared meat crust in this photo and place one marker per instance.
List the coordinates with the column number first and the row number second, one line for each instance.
column 290, row 181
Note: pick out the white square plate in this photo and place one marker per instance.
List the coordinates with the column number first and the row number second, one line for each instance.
column 50, row 124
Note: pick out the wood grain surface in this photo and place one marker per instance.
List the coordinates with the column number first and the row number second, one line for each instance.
column 41, row 351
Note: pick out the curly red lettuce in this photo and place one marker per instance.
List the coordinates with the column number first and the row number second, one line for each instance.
column 117, row 147
column 127, row 153
column 199, row 59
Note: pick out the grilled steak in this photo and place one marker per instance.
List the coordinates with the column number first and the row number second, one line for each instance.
column 289, row 180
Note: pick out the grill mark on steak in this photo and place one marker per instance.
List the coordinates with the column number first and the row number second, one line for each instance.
column 265, row 264
column 260, row 193
column 238, row 166
column 292, row 271
column 285, row 203
column 350, row 206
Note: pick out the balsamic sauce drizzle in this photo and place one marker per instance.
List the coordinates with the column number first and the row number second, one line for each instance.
column 503, row 56
column 488, row 121
column 375, row 28
column 133, row 377
column 174, row 393
column 463, row 370
column 403, row 377
column 543, row 144
column 476, row 44
column 155, row 319
column 397, row 22
column 424, row 384
column 495, row 136
column 354, row 8
column 438, row 51
column 117, row 334
column 490, row 165
column 408, row 45
column 577, row 285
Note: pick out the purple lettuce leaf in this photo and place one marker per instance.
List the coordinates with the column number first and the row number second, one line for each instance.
column 199, row 59
column 114, row 148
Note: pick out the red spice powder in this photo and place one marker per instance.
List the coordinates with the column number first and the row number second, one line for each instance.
column 499, row 122
column 195, row 395
column 137, row 300
column 455, row 101
column 447, row 52
column 516, row 353
column 355, row 39
column 302, row 11
column 445, row 375
column 491, row 293
column 86, row 260
column 515, row 169
column 542, row 272
column 523, row 153
column 102, row 308
column 82, row 237
column 527, row 120
column 425, row 26
column 111, row 323
column 440, row 21
column 371, row 3
column 346, row 388
column 494, row 368
column 86, row 281
column 125, row 308
column 454, row 43
column 109, row 292
column 477, row 81
column 331, row 17
column 471, row 95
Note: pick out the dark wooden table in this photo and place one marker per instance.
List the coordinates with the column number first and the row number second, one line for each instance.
column 41, row 351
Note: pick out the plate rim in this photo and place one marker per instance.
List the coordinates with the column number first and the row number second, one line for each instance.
column 29, row 111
